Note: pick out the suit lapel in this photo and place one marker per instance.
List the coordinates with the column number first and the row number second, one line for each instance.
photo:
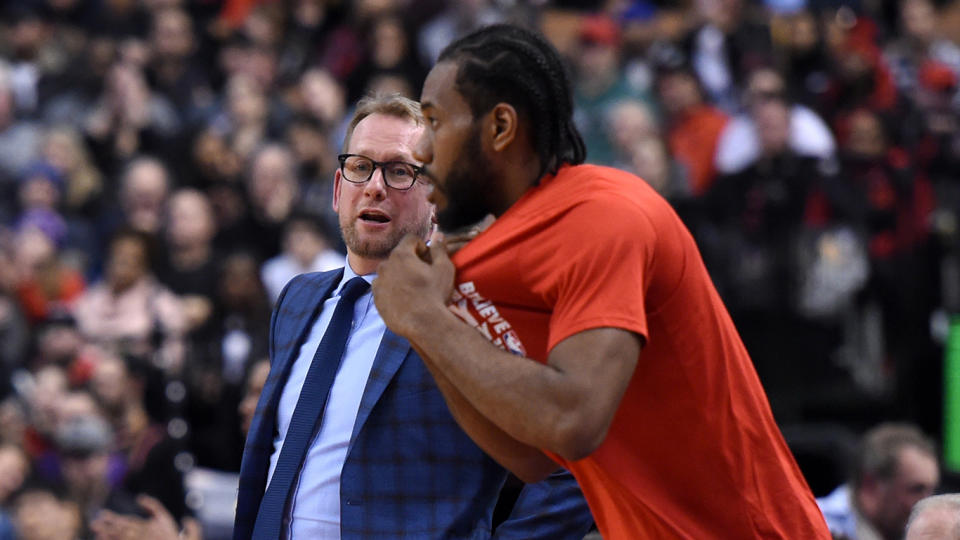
column 298, row 315
column 393, row 349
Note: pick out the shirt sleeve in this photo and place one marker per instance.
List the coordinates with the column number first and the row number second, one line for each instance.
column 602, row 260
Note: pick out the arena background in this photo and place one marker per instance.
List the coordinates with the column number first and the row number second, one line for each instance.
column 812, row 148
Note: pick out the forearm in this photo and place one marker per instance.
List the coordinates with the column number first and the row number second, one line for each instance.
column 527, row 400
column 525, row 461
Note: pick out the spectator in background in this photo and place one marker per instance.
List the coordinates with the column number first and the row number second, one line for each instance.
column 305, row 249
column 739, row 144
column 15, row 335
column 390, row 53
column 239, row 338
column 129, row 119
column 83, row 190
column 215, row 164
column 316, row 162
column 42, row 391
column 43, row 513
column 859, row 76
column 14, row 467
column 323, row 97
column 142, row 445
column 804, row 58
column 79, row 91
column 694, row 126
column 144, row 189
column 727, row 45
column 156, row 524
column 173, row 70
column 19, row 139
column 28, row 35
column 600, row 84
column 189, row 268
column 58, row 342
column 919, row 45
column 639, row 148
column 457, row 19
column 41, row 186
column 761, row 216
column 935, row 518
column 244, row 115
column 45, row 284
column 895, row 467
column 129, row 312
column 273, row 190
column 84, row 444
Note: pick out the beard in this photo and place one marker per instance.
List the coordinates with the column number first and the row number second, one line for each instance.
column 467, row 188
column 379, row 247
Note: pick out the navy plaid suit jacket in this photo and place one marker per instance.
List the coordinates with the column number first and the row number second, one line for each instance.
column 410, row 471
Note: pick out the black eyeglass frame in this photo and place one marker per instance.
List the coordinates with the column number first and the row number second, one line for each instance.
column 382, row 165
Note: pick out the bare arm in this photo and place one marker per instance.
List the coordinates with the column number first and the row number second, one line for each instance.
column 565, row 406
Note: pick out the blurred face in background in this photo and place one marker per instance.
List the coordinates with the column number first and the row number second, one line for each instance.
column 678, row 92
column 40, row 515
column 127, row 263
column 144, row 195
column 172, row 36
column 772, row 117
column 866, row 139
column 14, row 467
column 629, row 122
column 191, row 219
column 888, row 502
column 919, row 19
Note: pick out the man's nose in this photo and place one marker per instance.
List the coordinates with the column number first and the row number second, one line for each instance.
column 377, row 185
column 423, row 150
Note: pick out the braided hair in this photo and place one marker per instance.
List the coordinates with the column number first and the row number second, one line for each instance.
column 504, row 63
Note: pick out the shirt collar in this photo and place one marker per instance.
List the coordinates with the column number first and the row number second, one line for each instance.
column 349, row 274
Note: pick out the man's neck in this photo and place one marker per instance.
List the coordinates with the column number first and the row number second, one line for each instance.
column 362, row 266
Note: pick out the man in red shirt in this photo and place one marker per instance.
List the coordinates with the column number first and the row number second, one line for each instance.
column 535, row 337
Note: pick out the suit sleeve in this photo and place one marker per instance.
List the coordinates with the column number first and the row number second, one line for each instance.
column 553, row 509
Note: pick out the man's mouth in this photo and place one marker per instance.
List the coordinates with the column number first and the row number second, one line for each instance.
column 374, row 216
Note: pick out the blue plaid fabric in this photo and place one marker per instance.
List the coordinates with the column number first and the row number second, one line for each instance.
column 410, row 471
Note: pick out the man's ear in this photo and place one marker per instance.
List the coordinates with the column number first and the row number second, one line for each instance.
column 502, row 126
column 336, row 191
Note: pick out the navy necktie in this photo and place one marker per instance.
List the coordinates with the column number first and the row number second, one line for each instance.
column 307, row 414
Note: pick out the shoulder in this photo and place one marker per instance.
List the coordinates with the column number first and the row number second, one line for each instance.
column 313, row 279
column 310, row 281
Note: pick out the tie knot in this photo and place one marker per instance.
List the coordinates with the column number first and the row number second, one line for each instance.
column 353, row 289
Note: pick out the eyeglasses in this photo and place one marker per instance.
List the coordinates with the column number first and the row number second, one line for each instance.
column 359, row 169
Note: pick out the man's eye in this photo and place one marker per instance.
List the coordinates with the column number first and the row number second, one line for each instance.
column 400, row 171
column 361, row 167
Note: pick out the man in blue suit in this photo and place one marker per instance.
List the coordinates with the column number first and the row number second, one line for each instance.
column 369, row 449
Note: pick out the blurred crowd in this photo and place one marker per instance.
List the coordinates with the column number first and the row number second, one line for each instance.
column 166, row 166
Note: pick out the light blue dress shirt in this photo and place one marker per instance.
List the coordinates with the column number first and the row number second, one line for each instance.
column 315, row 508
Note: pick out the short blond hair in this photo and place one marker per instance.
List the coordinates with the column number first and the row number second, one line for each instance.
column 391, row 105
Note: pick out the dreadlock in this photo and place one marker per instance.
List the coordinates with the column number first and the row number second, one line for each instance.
column 504, row 63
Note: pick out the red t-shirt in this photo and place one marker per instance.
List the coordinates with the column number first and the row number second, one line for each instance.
column 693, row 451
